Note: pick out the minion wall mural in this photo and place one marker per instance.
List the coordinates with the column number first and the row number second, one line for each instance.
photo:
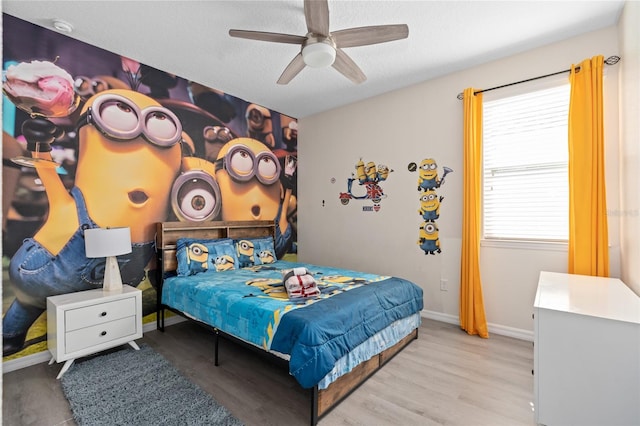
column 368, row 179
column 92, row 139
column 429, row 203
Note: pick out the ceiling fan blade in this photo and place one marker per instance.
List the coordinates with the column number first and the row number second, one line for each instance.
column 364, row 36
column 345, row 65
column 316, row 13
column 264, row 36
column 293, row 69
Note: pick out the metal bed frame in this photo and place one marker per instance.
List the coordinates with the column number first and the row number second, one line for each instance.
column 322, row 400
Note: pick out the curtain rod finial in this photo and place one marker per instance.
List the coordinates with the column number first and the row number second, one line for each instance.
column 612, row 60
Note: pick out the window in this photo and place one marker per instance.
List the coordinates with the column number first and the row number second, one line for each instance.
column 525, row 176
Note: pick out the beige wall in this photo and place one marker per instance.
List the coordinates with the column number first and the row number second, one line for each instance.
column 425, row 121
column 629, row 33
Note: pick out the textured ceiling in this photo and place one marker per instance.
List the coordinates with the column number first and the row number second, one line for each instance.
column 190, row 39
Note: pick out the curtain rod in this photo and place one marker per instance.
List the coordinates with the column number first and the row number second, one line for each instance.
column 611, row 60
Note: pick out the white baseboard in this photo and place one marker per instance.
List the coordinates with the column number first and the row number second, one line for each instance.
column 174, row 319
column 45, row 356
column 25, row 361
column 502, row 330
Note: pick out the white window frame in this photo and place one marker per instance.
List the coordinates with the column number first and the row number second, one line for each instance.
column 517, row 242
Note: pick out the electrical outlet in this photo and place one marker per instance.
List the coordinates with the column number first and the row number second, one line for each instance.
column 443, row 284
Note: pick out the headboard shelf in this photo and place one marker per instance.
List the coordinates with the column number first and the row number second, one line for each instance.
column 168, row 233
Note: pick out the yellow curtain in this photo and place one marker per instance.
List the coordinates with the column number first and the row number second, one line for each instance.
column 588, row 233
column 472, row 317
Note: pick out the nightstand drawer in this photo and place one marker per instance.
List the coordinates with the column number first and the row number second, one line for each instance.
column 99, row 334
column 99, row 313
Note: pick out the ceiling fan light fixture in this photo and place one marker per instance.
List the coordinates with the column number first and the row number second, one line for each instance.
column 318, row 55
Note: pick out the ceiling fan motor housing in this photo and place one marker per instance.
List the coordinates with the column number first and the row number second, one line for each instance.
column 318, row 51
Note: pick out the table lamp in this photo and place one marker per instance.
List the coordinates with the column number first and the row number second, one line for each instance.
column 109, row 243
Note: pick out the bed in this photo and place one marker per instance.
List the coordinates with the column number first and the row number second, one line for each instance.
column 331, row 341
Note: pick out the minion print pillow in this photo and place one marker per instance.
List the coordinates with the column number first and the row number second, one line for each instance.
column 265, row 252
column 197, row 256
column 255, row 251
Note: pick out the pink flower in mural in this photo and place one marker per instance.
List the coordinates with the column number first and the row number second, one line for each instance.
column 132, row 70
column 129, row 65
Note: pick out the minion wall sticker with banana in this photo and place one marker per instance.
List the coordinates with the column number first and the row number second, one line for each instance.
column 429, row 207
column 369, row 176
column 96, row 140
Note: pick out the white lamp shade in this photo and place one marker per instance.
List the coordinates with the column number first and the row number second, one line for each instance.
column 318, row 55
column 105, row 242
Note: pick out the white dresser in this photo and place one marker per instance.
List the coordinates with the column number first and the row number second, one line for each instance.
column 586, row 351
column 86, row 322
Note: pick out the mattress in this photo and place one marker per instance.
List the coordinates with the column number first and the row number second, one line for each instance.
column 316, row 334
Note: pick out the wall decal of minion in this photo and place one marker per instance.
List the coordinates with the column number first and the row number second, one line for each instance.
column 430, row 205
column 100, row 140
column 428, row 239
column 369, row 176
column 428, row 178
column 429, row 208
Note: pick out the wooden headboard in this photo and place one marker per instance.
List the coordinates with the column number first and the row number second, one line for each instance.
column 167, row 233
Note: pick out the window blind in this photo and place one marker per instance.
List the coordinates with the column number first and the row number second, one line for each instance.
column 525, row 174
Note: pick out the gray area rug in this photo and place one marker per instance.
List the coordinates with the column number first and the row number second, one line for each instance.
column 130, row 387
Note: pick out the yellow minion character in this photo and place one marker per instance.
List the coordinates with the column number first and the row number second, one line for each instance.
column 266, row 256
column 271, row 287
column 371, row 171
column 259, row 125
column 245, row 250
column 428, row 178
column 224, row 263
column 129, row 153
column 248, row 175
column 428, row 240
column 197, row 258
column 383, row 172
column 360, row 174
column 195, row 194
column 430, row 205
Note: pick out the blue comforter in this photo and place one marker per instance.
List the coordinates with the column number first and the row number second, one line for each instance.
column 251, row 304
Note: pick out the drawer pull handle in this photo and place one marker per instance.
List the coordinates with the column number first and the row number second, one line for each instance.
column 103, row 314
column 104, row 333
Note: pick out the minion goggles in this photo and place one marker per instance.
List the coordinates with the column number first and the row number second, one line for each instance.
column 242, row 165
column 110, row 115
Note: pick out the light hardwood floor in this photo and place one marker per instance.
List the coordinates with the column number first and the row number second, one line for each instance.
column 444, row 378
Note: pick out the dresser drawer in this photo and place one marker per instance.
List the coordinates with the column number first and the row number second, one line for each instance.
column 99, row 334
column 99, row 313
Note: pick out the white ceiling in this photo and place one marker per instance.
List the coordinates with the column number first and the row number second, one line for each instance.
column 190, row 39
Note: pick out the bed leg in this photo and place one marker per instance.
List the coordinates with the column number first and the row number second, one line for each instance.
column 216, row 338
column 160, row 319
column 314, row 406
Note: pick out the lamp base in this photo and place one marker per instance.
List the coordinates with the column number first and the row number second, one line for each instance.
column 112, row 278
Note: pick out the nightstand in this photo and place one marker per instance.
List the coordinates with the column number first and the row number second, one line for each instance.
column 86, row 322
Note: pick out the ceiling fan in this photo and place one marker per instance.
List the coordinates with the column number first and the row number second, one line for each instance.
column 321, row 48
